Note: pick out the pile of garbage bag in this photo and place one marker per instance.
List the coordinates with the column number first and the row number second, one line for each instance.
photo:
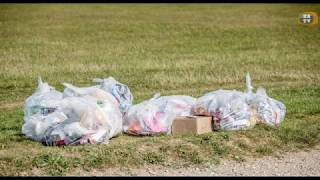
column 234, row 110
column 93, row 115
column 87, row 115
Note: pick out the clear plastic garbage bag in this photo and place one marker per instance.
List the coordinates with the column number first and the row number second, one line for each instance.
column 87, row 123
column 43, row 102
column 233, row 110
column 120, row 91
column 269, row 110
column 229, row 109
column 76, row 121
column 85, row 118
column 155, row 116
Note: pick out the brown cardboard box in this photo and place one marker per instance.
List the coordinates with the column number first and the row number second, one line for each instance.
column 192, row 124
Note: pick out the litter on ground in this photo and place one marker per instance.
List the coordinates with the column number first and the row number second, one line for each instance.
column 94, row 115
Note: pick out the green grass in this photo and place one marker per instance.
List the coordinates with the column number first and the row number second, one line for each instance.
column 172, row 49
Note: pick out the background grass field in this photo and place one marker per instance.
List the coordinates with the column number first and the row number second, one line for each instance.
column 186, row 49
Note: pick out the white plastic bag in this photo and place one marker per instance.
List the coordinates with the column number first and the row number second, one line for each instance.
column 269, row 110
column 156, row 115
column 120, row 91
column 86, row 123
column 147, row 119
column 229, row 109
column 83, row 116
column 43, row 102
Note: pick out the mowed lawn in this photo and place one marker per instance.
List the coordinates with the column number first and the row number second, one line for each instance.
column 173, row 49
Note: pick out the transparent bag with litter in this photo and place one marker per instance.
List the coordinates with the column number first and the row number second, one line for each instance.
column 268, row 110
column 233, row 110
column 82, row 116
column 156, row 115
column 78, row 121
column 120, row 91
column 229, row 109
column 86, row 123
column 44, row 101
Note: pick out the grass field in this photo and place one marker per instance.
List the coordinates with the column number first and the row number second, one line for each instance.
column 186, row 49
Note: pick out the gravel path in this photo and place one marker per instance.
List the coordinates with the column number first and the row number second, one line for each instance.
column 302, row 163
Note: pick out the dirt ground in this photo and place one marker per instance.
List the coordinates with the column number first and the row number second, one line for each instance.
column 302, row 163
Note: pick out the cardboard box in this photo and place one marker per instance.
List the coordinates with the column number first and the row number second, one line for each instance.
column 192, row 124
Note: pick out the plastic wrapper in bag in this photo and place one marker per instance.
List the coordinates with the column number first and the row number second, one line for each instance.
column 120, row 91
column 229, row 109
column 44, row 100
column 156, row 115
